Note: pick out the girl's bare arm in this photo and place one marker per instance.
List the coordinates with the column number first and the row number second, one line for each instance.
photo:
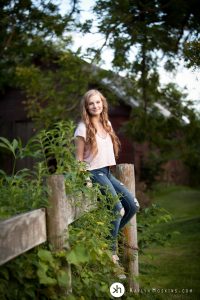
column 79, row 145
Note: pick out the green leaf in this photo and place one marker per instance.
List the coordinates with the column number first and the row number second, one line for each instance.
column 62, row 278
column 7, row 145
column 15, row 144
column 4, row 146
column 2, row 172
column 46, row 256
column 43, row 267
column 78, row 255
column 44, row 279
column 5, row 141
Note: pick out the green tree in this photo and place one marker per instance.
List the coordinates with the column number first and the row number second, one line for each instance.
column 192, row 54
column 154, row 28
column 156, row 31
column 36, row 57
column 191, row 147
column 27, row 31
column 53, row 93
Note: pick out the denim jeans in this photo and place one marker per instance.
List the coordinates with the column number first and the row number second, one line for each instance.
column 104, row 177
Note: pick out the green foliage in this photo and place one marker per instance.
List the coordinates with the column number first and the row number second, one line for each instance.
column 27, row 31
column 35, row 57
column 191, row 54
column 191, row 147
column 147, row 221
column 45, row 273
column 22, row 190
column 53, row 151
column 42, row 273
column 15, row 147
column 92, row 268
column 173, row 135
column 54, row 91
column 150, row 28
column 19, row 272
column 39, row 273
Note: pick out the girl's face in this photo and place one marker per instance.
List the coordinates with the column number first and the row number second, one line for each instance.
column 95, row 105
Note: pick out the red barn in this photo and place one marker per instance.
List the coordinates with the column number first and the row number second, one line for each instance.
column 15, row 123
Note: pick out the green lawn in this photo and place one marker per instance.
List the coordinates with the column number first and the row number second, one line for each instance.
column 176, row 266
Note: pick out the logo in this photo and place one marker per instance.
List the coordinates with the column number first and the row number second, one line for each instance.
column 117, row 289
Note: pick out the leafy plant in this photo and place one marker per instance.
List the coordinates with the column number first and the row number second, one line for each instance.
column 15, row 147
column 22, row 190
column 53, row 151
column 45, row 275
column 42, row 273
column 147, row 220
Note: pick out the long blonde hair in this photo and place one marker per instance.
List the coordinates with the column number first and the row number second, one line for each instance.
column 90, row 128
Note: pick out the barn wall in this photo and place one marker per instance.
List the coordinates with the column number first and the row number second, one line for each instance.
column 118, row 116
column 14, row 124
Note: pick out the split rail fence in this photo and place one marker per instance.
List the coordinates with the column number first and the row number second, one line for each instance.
column 28, row 230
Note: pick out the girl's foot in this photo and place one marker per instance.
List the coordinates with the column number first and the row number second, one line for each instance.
column 120, row 270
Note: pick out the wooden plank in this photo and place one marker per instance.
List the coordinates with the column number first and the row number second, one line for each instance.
column 78, row 206
column 21, row 233
column 63, row 210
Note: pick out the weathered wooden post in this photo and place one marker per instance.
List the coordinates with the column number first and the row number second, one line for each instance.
column 57, row 219
column 125, row 173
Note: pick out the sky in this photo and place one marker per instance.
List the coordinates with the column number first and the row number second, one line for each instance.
column 187, row 80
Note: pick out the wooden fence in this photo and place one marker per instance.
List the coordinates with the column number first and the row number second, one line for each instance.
column 26, row 231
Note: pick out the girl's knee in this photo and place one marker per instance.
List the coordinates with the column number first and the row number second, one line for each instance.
column 133, row 208
column 134, row 205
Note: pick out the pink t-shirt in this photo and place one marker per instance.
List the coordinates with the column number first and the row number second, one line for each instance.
column 105, row 155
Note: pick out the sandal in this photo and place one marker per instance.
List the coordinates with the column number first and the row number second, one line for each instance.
column 120, row 272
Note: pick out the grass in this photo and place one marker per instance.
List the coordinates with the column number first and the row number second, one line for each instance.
column 175, row 266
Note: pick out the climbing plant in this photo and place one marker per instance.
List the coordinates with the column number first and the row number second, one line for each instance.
column 40, row 273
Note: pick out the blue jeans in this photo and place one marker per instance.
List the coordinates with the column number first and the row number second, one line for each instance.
column 104, row 177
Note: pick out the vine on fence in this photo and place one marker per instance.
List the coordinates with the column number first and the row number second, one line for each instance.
column 39, row 273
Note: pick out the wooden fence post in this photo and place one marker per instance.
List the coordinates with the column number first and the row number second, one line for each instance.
column 57, row 219
column 125, row 173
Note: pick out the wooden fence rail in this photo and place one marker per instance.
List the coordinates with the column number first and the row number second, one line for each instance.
column 21, row 233
column 26, row 231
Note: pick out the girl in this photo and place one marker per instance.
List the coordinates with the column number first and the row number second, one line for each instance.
column 97, row 145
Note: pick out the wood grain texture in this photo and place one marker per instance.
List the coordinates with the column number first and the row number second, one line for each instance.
column 126, row 174
column 63, row 210
column 21, row 233
column 57, row 212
